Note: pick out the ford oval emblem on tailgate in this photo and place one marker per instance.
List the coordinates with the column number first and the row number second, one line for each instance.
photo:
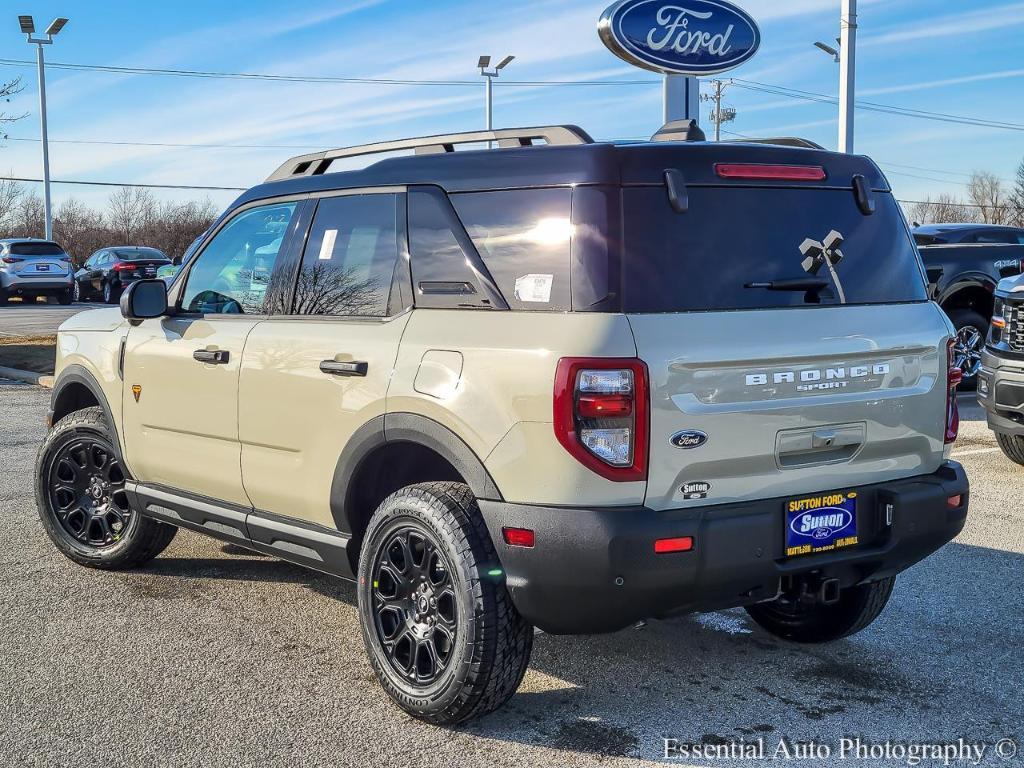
column 688, row 438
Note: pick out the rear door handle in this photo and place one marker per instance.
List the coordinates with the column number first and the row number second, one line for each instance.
column 354, row 368
column 212, row 356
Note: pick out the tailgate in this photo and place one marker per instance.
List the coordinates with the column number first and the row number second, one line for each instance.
column 41, row 267
column 791, row 401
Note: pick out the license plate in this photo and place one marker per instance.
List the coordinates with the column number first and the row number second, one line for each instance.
column 42, row 267
column 821, row 523
column 150, row 271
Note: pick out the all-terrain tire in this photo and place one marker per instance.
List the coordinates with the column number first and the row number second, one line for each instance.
column 492, row 642
column 1012, row 445
column 138, row 541
column 856, row 609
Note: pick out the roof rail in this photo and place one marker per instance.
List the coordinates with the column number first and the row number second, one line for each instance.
column 785, row 141
column 318, row 162
column 680, row 130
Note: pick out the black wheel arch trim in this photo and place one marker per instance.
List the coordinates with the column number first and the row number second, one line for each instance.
column 405, row 428
column 965, row 281
column 78, row 374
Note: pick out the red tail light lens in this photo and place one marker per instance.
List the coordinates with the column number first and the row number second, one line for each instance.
column 122, row 266
column 12, row 259
column 770, row 172
column 601, row 414
column 953, row 378
column 518, row 537
column 679, row 544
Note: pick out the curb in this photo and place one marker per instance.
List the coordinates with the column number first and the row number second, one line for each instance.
column 29, row 377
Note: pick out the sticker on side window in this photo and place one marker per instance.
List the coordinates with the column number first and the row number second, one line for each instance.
column 534, row 288
column 327, row 246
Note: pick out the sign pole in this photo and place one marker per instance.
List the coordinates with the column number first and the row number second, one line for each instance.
column 680, row 98
column 847, row 72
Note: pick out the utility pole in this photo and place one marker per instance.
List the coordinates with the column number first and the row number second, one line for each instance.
column 847, row 72
column 719, row 114
column 28, row 28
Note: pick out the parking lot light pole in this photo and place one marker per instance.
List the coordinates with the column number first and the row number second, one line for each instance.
column 489, row 74
column 28, row 27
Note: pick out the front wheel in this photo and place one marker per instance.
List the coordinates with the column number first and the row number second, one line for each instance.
column 971, row 330
column 856, row 608
column 80, row 494
column 1012, row 446
column 443, row 637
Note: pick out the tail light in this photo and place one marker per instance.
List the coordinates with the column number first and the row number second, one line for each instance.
column 601, row 414
column 12, row 259
column 953, row 379
column 122, row 266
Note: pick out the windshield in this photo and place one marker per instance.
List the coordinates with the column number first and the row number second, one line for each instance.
column 36, row 249
column 744, row 248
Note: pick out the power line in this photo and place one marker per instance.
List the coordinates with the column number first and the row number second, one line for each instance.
column 869, row 106
column 110, row 69
column 171, row 144
column 123, row 184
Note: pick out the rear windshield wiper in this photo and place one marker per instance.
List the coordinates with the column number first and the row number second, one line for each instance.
column 811, row 284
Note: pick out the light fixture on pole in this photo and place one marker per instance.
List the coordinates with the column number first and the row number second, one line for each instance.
column 488, row 73
column 28, row 28
column 845, row 57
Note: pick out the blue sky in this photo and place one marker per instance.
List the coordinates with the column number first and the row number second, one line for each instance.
column 963, row 59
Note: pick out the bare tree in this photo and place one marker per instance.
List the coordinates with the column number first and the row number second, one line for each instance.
column 131, row 210
column 1016, row 201
column 174, row 226
column 30, row 217
column 986, row 192
column 10, row 195
column 945, row 209
column 8, row 90
column 79, row 229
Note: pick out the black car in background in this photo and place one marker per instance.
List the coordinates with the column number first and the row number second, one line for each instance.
column 108, row 271
column 964, row 263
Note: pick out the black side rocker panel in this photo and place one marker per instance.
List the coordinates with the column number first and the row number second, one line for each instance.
column 296, row 541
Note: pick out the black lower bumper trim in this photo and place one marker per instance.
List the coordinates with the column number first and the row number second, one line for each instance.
column 595, row 570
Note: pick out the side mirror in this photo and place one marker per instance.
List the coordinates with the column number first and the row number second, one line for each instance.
column 177, row 260
column 144, row 300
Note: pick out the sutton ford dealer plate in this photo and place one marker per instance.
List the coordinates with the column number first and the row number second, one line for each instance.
column 821, row 523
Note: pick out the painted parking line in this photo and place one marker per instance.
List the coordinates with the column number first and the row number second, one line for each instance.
column 974, row 451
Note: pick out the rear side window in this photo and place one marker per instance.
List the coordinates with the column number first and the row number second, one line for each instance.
column 524, row 237
column 36, row 249
column 734, row 244
column 350, row 257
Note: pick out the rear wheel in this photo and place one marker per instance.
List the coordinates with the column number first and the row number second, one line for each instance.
column 443, row 637
column 1012, row 445
column 3, row 296
column 66, row 297
column 971, row 330
column 80, row 494
column 76, row 291
column 110, row 294
column 821, row 623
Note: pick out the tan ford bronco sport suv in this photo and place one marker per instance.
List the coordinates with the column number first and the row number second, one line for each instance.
column 558, row 383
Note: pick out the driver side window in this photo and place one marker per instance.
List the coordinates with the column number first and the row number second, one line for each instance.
column 232, row 274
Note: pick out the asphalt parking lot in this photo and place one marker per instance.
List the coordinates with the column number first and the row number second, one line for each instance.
column 213, row 657
column 36, row 318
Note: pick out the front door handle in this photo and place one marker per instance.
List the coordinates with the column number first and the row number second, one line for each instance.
column 354, row 368
column 212, row 356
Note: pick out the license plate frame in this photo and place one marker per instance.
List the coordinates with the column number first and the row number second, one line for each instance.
column 818, row 523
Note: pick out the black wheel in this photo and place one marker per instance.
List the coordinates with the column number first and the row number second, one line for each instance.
column 1012, row 445
column 76, row 291
column 80, row 493
column 857, row 608
column 66, row 297
column 443, row 637
column 3, row 296
column 971, row 330
column 110, row 293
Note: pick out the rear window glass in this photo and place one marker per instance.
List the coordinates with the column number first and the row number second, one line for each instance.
column 37, row 249
column 129, row 254
column 722, row 252
column 928, row 239
column 524, row 237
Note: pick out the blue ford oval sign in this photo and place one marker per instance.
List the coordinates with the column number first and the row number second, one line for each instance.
column 692, row 37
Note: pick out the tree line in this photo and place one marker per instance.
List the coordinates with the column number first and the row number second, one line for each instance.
column 132, row 217
column 989, row 200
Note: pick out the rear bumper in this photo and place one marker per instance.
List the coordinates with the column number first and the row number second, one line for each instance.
column 1001, row 392
column 16, row 284
column 595, row 570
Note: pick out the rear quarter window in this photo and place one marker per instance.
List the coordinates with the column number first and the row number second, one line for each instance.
column 731, row 237
column 524, row 237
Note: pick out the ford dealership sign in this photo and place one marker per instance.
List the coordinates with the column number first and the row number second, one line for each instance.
column 692, row 37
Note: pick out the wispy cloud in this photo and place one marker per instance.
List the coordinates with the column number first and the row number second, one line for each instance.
column 953, row 25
